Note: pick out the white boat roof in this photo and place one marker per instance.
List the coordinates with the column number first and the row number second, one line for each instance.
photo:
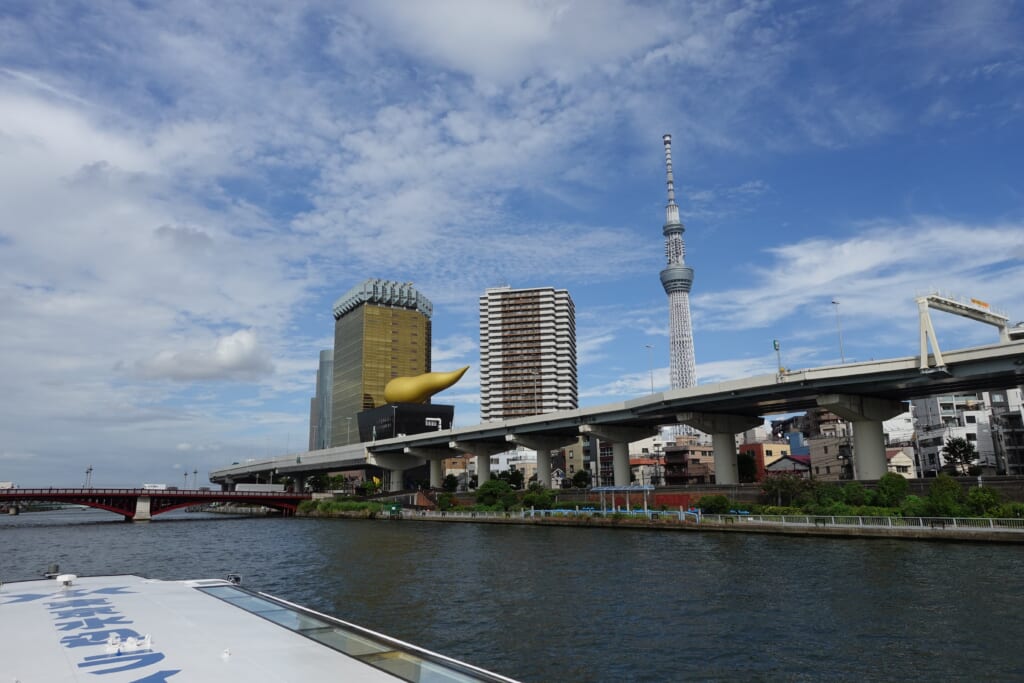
column 128, row 628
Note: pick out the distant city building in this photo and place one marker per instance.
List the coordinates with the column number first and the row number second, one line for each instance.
column 1008, row 430
column 677, row 279
column 950, row 416
column 527, row 352
column 381, row 331
column 320, row 404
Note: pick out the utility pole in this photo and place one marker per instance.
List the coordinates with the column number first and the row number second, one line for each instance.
column 839, row 327
column 650, row 364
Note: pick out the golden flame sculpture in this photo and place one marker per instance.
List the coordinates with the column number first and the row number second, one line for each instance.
column 421, row 387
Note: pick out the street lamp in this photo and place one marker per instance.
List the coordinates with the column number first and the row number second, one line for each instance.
column 650, row 363
column 839, row 327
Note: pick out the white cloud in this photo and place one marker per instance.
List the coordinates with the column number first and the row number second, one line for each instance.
column 237, row 357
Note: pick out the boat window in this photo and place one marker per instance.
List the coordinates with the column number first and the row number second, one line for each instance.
column 405, row 661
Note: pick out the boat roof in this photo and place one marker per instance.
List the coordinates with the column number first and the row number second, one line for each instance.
column 129, row 628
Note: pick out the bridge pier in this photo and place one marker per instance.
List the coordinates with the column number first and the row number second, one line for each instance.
column 141, row 510
column 543, row 446
column 620, row 437
column 723, row 429
column 866, row 413
column 435, row 456
column 483, row 451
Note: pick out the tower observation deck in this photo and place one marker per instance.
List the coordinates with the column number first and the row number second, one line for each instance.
column 677, row 279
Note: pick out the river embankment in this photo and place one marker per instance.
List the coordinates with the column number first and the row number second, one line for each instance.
column 827, row 527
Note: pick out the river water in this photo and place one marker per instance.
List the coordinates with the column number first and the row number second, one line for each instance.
column 570, row 604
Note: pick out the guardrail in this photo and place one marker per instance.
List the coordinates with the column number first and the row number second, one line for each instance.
column 986, row 523
column 928, row 523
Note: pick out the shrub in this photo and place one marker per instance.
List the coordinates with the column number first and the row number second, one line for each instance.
column 914, row 506
column 1010, row 510
column 855, row 494
column 714, row 505
column 539, row 498
column 983, row 500
column 944, row 497
column 892, row 489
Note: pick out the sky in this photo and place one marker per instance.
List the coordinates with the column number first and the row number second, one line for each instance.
column 187, row 187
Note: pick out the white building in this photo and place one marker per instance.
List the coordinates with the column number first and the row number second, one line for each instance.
column 950, row 416
column 527, row 352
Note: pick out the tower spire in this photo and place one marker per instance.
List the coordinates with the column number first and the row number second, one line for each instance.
column 670, row 215
column 677, row 279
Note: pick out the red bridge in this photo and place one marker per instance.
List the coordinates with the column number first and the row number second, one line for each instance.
column 143, row 504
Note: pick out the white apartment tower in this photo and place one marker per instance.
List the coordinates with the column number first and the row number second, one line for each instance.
column 527, row 352
column 677, row 278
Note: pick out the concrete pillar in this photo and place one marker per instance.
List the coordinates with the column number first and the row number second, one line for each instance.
column 869, row 449
column 867, row 414
column 483, row 450
column 436, row 473
column 621, row 437
column 142, row 510
column 395, row 483
column 620, row 462
column 543, row 445
column 483, row 469
column 726, row 468
column 435, row 456
column 723, row 429
column 300, row 483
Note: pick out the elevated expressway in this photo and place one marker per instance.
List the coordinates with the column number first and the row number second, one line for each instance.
column 864, row 393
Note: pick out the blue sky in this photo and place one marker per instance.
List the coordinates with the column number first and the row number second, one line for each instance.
column 187, row 188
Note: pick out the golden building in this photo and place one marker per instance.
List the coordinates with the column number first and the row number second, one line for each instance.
column 381, row 331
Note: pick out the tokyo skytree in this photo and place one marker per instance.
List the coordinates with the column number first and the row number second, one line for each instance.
column 677, row 278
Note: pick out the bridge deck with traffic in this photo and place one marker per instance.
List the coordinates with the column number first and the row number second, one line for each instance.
column 864, row 393
column 143, row 504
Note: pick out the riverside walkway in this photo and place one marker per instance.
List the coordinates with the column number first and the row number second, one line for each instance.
column 977, row 529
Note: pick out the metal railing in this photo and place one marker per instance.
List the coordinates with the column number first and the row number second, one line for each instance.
column 982, row 523
column 693, row 516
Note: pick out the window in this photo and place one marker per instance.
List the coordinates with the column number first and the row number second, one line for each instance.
column 971, row 419
column 971, row 436
column 903, row 469
column 828, row 469
column 768, row 451
column 826, row 450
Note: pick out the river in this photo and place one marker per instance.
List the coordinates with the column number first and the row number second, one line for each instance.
column 572, row 604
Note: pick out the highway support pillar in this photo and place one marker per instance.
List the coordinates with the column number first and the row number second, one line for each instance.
column 298, row 483
column 483, row 450
column 866, row 413
column 543, row 445
column 621, row 437
column 723, row 429
column 142, row 510
column 435, row 456
column 395, row 464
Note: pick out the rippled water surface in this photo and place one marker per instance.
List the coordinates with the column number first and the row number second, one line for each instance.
column 564, row 604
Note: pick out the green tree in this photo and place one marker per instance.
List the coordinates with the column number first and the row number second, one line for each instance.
column 783, row 487
column 581, row 479
column 959, row 453
column 892, row 489
column 450, row 483
column 515, row 478
column 855, row 494
column 944, row 497
column 493, row 491
column 983, row 500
